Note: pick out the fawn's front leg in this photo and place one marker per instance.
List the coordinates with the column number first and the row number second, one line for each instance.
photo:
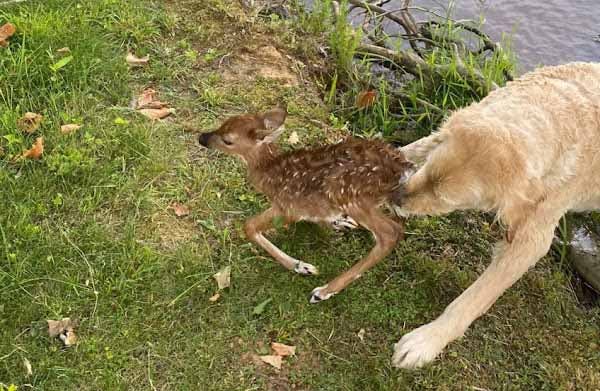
column 387, row 233
column 254, row 229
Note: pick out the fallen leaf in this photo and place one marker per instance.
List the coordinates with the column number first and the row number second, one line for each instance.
column 214, row 297
column 274, row 361
column 361, row 335
column 293, row 139
column 223, row 277
column 61, row 63
column 69, row 128
column 135, row 61
column 28, row 369
column 6, row 31
column 260, row 308
column 64, row 50
column 55, row 327
column 36, row 151
column 64, row 330
column 146, row 97
column 30, row 122
column 283, row 350
column 365, row 99
column 156, row 114
column 68, row 338
column 180, row 209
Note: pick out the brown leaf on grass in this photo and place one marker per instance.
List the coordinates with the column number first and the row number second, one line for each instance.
column 64, row 330
column 146, row 97
column 365, row 99
column 30, row 122
column 223, row 277
column 156, row 114
column 36, row 151
column 274, row 361
column 283, row 350
column 69, row 128
column 180, row 209
column 215, row 297
column 64, row 50
column 147, row 100
column 135, row 61
column 6, row 31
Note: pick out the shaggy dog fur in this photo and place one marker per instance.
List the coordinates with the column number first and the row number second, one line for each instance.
column 530, row 152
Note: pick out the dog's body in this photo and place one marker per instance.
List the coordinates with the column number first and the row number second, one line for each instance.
column 343, row 184
column 529, row 152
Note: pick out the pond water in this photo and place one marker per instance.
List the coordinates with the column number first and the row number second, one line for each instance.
column 543, row 31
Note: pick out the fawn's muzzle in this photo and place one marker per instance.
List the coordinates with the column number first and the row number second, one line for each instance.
column 203, row 139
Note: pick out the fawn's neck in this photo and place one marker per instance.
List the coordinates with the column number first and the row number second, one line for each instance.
column 260, row 165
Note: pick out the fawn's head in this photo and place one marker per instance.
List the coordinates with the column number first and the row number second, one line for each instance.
column 244, row 135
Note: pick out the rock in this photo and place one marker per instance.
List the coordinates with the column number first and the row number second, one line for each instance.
column 585, row 255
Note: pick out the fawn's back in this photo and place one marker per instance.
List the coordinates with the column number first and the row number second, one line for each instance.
column 326, row 180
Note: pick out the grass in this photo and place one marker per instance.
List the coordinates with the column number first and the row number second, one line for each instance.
column 87, row 232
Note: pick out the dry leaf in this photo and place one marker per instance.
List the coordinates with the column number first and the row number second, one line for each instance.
column 28, row 369
column 64, row 50
column 6, row 31
column 36, row 151
column 282, row 349
column 135, row 61
column 69, row 128
column 293, row 139
column 180, row 209
column 223, row 277
column 365, row 99
column 147, row 100
column 361, row 335
column 56, row 327
column 274, row 361
column 63, row 329
column 68, row 337
column 214, row 297
column 156, row 114
column 30, row 122
column 146, row 97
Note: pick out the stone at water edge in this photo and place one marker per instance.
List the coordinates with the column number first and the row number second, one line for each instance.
column 585, row 255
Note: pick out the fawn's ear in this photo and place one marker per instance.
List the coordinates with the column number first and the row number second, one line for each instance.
column 273, row 121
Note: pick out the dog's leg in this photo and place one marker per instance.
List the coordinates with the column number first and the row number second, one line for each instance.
column 386, row 232
column 511, row 260
column 254, row 229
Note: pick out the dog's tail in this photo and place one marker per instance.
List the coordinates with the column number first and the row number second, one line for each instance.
column 418, row 151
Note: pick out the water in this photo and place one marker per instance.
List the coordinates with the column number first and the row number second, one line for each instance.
column 544, row 32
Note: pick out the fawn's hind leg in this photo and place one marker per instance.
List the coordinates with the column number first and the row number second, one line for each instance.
column 387, row 233
column 254, row 229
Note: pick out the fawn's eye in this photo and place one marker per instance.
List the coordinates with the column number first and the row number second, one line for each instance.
column 227, row 142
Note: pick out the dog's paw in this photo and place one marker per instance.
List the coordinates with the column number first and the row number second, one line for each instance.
column 419, row 347
column 344, row 223
column 318, row 295
column 305, row 269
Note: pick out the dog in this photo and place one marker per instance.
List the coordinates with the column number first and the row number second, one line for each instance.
column 529, row 152
column 345, row 184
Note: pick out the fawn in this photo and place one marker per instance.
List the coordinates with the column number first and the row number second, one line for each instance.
column 344, row 184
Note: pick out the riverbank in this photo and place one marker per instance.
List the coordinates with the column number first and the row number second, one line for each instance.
column 91, row 230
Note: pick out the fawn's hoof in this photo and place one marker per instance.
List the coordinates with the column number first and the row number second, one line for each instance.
column 345, row 222
column 318, row 295
column 306, row 269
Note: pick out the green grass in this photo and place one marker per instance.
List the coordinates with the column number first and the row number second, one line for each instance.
column 87, row 232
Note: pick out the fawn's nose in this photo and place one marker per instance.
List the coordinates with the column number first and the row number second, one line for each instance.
column 203, row 139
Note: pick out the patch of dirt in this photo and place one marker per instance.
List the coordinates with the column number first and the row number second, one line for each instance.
column 171, row 230
column 264, row 61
